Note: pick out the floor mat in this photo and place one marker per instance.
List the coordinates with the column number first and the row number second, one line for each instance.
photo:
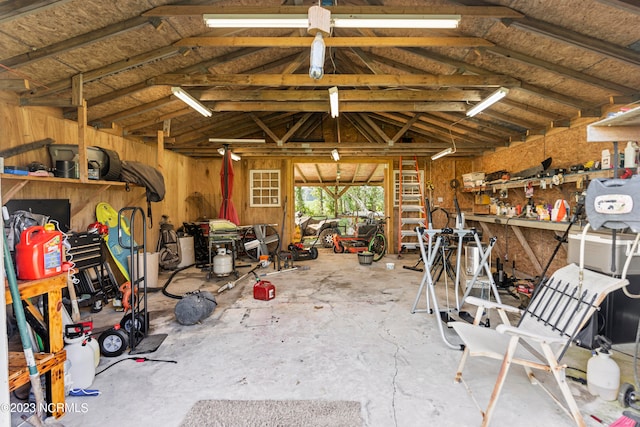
column 271, row 413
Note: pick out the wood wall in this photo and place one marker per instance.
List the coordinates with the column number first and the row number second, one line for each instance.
column 194, row 190
column 566, row 147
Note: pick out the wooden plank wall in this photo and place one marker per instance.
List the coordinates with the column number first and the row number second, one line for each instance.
column 194, row 191
column 22, row 125
column 565, row 147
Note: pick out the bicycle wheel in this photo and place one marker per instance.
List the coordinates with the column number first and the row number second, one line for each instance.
column 378, row 246
column 261, row 239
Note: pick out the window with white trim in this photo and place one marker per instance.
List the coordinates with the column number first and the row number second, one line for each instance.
column 264, row 188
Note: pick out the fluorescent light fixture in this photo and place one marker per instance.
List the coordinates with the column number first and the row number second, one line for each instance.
column 442, row 153
column 333, row 101
column 237, row 140
column 488, row 101
column 256, row 21
column 233, row 155
column 316, row 59
column 335, row 155
column 395, row 21
column 182, row 95
column 337, row 21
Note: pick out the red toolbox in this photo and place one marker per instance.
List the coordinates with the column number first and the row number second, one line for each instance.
column 264, row 290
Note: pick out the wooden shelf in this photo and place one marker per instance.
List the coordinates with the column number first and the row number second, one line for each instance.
column 27, row 178
column 50, row 363
column 621, row 127
column 568, row 178
column 518, row 222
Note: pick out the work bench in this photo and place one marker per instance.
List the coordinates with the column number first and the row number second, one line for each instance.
column 519, row 227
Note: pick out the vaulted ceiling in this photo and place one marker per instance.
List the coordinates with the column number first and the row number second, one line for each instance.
column 401, row 91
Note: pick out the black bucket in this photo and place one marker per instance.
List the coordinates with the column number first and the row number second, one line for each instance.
column 66, row 169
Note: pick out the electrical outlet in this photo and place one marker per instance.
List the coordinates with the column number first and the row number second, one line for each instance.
column 440, row 200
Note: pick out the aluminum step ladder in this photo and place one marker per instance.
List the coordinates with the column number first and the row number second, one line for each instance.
column 411, row 210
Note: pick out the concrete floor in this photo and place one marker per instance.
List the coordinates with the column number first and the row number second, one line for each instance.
column 335, row 331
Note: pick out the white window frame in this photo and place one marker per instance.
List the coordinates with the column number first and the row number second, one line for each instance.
column 264, row 176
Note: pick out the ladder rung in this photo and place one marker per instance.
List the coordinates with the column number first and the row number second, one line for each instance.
column 413, row 221
column 406, row 233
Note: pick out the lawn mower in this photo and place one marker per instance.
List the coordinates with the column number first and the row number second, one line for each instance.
column 299, row 251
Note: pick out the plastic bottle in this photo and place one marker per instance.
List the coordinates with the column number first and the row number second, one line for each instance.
column 630, row 155
column 603, row 373
column 605, row 162
column 93, row 344
column 81, row 356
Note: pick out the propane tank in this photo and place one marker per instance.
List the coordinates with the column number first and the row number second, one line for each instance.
column 603, row 373
column 81, row 356
column 222, row 263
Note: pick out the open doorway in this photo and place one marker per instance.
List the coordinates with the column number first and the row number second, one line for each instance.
column 337, row 196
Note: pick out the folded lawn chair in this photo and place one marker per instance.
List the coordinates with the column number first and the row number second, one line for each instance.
column 559, row 309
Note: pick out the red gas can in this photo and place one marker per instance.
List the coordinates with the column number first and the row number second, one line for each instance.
column 39, row 253
column 264, row 290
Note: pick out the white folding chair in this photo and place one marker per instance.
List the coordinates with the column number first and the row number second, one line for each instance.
column 559, row 309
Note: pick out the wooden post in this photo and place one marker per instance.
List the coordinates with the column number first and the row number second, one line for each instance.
column 160, row 150
column 82, row 142
column 389, row 190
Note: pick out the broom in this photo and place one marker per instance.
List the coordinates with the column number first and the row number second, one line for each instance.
column 628, row 419
column 18, row 309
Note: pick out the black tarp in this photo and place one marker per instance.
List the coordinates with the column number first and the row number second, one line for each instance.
column 146, row 176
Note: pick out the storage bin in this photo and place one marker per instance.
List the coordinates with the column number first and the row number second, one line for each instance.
column 365, row 258
column 598, row 254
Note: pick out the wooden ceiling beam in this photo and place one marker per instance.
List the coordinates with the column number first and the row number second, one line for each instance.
column 555, row 96
column 354, row 80
column 145, row 123
column 75, row 42
column 436, row 131
column 404, row 129
column 576, row 39
column 536, row 90
column 14, row 85
column 107, row 70
column 626, row 5
column 14, row 9
column 265, row 128
column 523, row 124
column 358, row 122
column 134, row 111
column 354, row 106
column 475, row 11
column 346, row 95
column 559, row 69
column 367, row 60
column 305, row 42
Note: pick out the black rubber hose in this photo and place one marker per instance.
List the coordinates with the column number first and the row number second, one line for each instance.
column 168, row 282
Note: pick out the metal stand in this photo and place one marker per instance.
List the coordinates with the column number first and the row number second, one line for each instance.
column 139, row 340
column 434, row 250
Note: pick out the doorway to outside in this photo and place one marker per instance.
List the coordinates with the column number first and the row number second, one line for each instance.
column 336, row 197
